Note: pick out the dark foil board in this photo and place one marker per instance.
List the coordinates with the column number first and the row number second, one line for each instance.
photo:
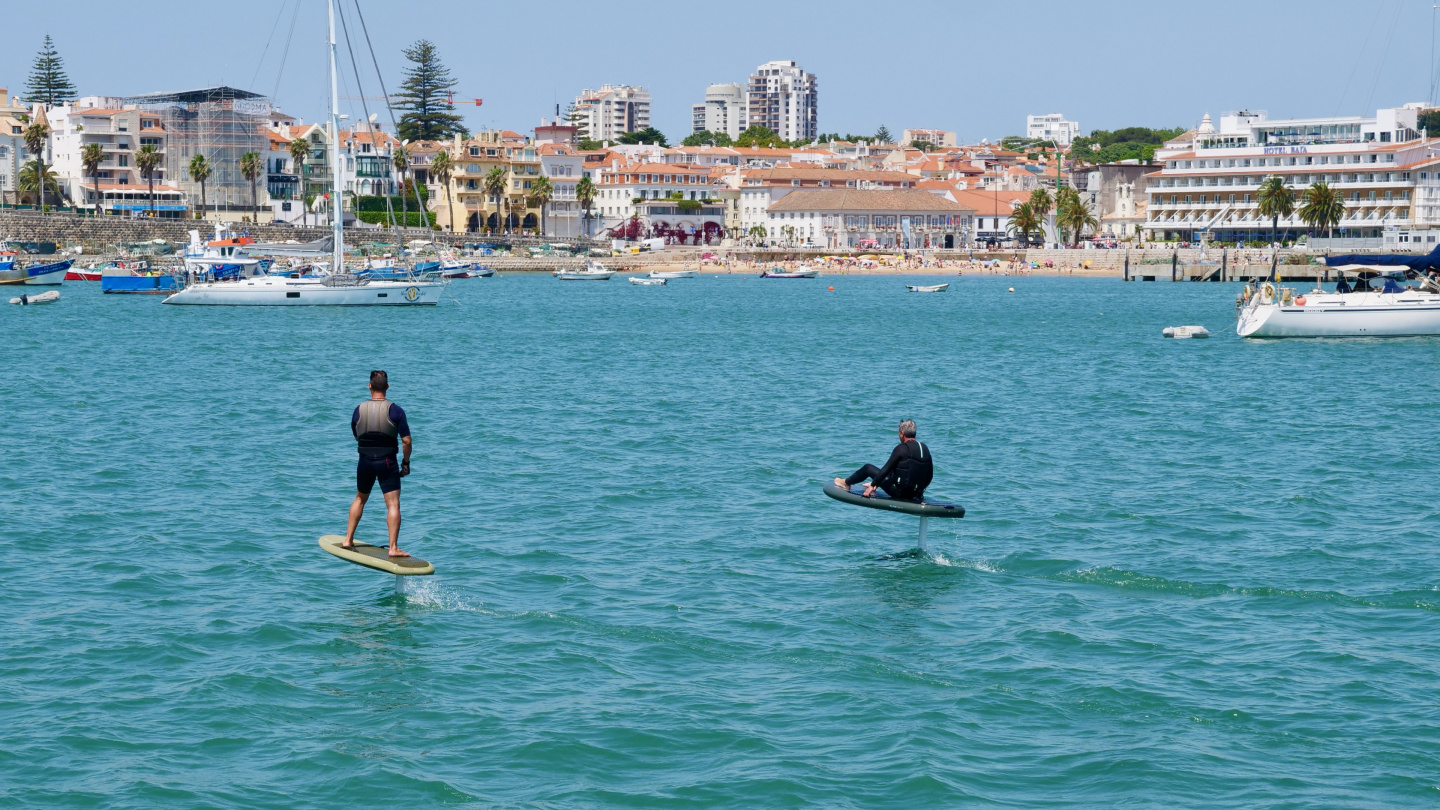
column 879, row 500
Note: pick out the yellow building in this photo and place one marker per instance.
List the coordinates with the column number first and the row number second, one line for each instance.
column 475, row 207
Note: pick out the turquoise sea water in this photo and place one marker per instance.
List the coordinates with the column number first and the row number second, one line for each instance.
column 1193, row 573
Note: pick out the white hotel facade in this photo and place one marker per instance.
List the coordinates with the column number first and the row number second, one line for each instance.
column 1384, row 168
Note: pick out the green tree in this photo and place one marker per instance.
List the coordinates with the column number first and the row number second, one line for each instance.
column 1041, row 203
column 757, row 232
column 542, row 193
column 442, row 169
column 1074, row 214
column 882, row 135
column 1129, row 143
column 299, row 150
column 48, row 83
column 251, row 167
column 761, row 137
column 425, row 97
column 401, row 161
column 1276, row 200
column 91, row 156
column 497, row 185
column 1429, row 122
column 707, row 138
column 1023, row 222
column 147, row 160
column 36, row 137
column 1323, row 207
column 648, row 135
column 585, row 195
column 923, row 146
column 28, row 184
column 200, row 170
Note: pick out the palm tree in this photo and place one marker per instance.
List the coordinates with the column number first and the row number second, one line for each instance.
column 497, row 186
column 1276, row 201
column 401, row 161
column 147, row 160
column 1075, row 214
column 1024, row 221
column 585, row 195
column 200, row 170
column 27, row 182
column 1323, row 209
column 1040, row 202
column 757, row 231
column 542, row 192
column 299, row 150
column 91, row 156
column 250, row 169
column 442, row 169
column 36, row 136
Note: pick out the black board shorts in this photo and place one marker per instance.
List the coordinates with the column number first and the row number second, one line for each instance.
column 385, row 470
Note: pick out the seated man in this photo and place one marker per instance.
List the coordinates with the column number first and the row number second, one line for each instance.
column 905, row 475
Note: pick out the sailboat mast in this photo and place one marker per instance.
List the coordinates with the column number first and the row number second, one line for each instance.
column 337, row 264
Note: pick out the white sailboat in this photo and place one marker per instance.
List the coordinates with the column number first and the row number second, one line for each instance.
column 336, row 286
column 1266, row 311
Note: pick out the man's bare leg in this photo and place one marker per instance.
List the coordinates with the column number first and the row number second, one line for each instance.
column 392, row 520
column 357, row 508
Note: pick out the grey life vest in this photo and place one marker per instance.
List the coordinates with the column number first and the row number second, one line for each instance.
column 377, row 435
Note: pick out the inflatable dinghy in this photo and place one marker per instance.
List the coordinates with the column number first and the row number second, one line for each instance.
column 922, row 509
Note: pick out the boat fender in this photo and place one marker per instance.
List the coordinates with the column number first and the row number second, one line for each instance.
column 1285, row 299
column 1300, row 302
column 1267, row 292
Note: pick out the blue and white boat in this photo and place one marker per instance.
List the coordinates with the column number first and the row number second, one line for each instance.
column 224, row 258
column 39, row 275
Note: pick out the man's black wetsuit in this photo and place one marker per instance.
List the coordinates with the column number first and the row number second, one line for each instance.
column 905, row 475
column 378, row 426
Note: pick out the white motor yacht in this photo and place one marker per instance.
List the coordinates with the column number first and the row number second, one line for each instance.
column 667, row 274
column 593, row 271
column 1268, row 311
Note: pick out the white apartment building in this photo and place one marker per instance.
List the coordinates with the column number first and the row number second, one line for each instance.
column 120, row 132
column 1052, row 127
column 785, row 99
column 621, row 186
column 563, row 167
column 611, row 111
column 723, row 110
column 1384, row 169
column 755, row 191
column 13, row 116
column 937, row 138
column 838, row 218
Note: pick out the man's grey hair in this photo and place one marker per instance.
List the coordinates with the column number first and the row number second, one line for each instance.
column 907, row 428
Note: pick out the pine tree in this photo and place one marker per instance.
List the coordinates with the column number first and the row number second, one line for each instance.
column 882, row 135
column 424, row 95
column 48, row 83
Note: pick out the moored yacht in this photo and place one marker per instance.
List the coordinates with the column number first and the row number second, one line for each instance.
column 1268, row 311
column 237, row 284
column 593, row 271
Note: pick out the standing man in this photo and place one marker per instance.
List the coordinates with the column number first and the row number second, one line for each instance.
column 380, row 428
column 905, row 475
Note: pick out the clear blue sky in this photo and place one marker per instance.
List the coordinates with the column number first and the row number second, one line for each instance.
column 973, row 67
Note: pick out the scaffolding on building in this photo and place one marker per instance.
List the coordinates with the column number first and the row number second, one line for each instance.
column 221, row 123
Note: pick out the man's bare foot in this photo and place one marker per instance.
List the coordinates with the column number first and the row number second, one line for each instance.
column 840, row 482
column 347, row 544
column 395, row 552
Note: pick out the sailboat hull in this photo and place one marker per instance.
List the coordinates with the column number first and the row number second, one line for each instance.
column 269, row 291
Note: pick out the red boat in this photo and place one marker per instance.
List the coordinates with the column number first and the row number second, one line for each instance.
column 93, row 273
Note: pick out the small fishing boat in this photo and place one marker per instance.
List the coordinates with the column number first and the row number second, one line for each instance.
column 41, row 275
column 801, row 272
column 481, row 271
column 91, row 273
column 1184, row 332
column 593, row 271
column 931, row 288
column 47, row 297
column 664, row 274
column 647, row 282
column 450, row 267
column 138, row 278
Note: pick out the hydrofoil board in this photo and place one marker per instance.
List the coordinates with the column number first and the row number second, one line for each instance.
column 375, row 557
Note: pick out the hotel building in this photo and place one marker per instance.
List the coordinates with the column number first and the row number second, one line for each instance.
column 1383, row 166
column 1052, row 127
